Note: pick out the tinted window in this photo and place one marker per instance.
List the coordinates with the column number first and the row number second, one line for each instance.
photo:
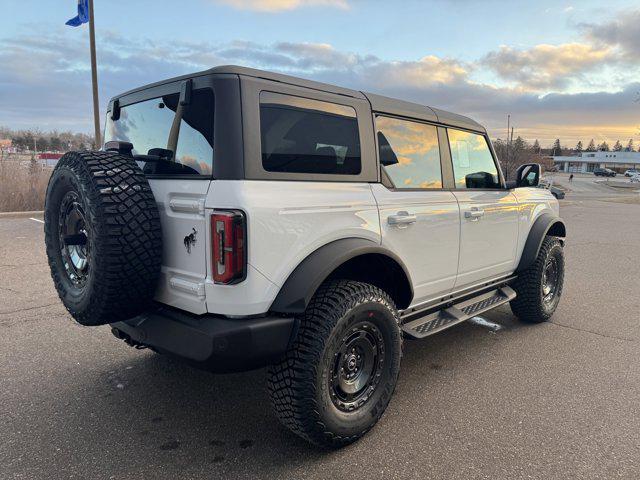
column 473, row 165
column 147, row 126
column 409, row 153
column 308, row 136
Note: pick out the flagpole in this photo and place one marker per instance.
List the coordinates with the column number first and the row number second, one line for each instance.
column 94, row 77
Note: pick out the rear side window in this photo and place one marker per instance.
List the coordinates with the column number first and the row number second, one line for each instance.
column 147, row 126
column 300, row 135
column 409, row 153
column 473, row 165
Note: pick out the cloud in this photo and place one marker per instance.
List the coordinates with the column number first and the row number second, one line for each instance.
column 41, row 87
column 544, row 66
column 281, row 5
column 623, row 33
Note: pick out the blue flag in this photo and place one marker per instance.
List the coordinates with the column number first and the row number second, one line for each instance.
column 83, row 14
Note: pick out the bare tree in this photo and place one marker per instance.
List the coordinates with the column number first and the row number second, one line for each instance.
column 517, row 153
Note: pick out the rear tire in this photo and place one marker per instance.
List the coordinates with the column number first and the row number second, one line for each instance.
column 102, row 236
column 337, row 378
column 539, row 288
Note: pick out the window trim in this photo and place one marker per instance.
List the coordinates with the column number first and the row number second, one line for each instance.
column 251, row 87
column 316, row 101
column 385, row 175
column 158, row 91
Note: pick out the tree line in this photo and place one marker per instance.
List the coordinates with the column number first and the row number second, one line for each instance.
column 517, row 152
column 557, row 149
column 52, row 141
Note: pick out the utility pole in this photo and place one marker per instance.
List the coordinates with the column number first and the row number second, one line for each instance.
column 94, row 77
column 508, row 161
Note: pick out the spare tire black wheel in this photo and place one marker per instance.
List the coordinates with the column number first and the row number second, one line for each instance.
column 103, row 236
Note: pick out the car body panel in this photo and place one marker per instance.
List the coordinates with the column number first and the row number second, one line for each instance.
column 430, row 246
column 488, row 244
column 286, row 221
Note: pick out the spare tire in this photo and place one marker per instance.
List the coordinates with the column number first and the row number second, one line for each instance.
column 103, row 236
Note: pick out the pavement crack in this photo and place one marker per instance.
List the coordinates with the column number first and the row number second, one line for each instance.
column 604, row 335
column 28, row 308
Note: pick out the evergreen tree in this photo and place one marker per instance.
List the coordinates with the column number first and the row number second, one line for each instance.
column 604, row 146
column 617, row 147
column 591, row 147
column 629, row 146
column 579, row 146
column 536, row 147
column 556, row 150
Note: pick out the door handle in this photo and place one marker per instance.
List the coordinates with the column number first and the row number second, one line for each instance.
column 401, row 218
column 474, row 214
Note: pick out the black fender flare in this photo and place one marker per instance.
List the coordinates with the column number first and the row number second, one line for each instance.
column 545, row 224
column 302, row 283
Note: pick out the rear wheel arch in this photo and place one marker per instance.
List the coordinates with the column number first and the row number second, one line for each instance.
column 355, row 259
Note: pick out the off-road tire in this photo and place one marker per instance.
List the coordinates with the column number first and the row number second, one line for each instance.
column 299, row 385
column 123, row 236
column 529, row 305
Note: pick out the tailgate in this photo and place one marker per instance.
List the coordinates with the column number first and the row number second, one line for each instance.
column 184, row 242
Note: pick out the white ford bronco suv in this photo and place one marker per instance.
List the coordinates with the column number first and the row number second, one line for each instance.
column 237, row 219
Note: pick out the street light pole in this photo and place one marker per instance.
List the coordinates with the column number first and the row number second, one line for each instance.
column 94, row 77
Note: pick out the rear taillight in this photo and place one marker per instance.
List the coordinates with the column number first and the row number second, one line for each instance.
column 228, row 238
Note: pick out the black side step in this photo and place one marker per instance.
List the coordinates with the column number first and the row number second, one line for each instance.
column 458, row 312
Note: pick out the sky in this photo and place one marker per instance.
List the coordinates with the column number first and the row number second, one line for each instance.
column 568, row 70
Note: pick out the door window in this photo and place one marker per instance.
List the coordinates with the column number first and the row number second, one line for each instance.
column 409, row 153
column 300, row 135
column 473, row 165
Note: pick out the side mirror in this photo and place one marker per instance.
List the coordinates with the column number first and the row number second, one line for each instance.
column 528, row 175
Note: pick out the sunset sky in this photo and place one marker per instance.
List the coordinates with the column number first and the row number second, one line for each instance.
column 562, row 69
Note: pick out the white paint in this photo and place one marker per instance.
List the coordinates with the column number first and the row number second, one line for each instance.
column 488, row 243
column 286, row 221
column 183, row 274
column 36, row 220
column 429, row 247
column 443, row 250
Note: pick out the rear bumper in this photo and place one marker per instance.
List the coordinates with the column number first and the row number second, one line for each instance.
column 210, row 342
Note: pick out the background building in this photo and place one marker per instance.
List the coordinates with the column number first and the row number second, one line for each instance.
column 589, row 161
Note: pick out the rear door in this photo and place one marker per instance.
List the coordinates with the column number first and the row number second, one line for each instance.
column 488, row 211
column 173, row 142
column 418, row 218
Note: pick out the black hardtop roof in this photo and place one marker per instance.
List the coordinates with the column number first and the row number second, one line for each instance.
column 379, row 103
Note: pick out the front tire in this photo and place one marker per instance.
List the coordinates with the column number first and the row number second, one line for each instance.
column 539, row 288
column 337, row 378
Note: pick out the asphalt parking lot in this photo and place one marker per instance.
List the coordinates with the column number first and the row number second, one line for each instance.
column 557, row 400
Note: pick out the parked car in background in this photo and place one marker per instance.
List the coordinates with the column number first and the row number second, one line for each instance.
column 631, row 172
column 604, row 172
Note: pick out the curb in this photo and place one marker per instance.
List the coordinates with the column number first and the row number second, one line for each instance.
column 34, row 213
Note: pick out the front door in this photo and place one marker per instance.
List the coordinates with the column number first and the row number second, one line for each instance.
column 488, row 212
column 419, row 220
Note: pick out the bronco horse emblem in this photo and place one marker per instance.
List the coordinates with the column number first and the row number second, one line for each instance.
column 190, row 240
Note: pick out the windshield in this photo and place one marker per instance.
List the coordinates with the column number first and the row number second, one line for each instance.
column 146, row 125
